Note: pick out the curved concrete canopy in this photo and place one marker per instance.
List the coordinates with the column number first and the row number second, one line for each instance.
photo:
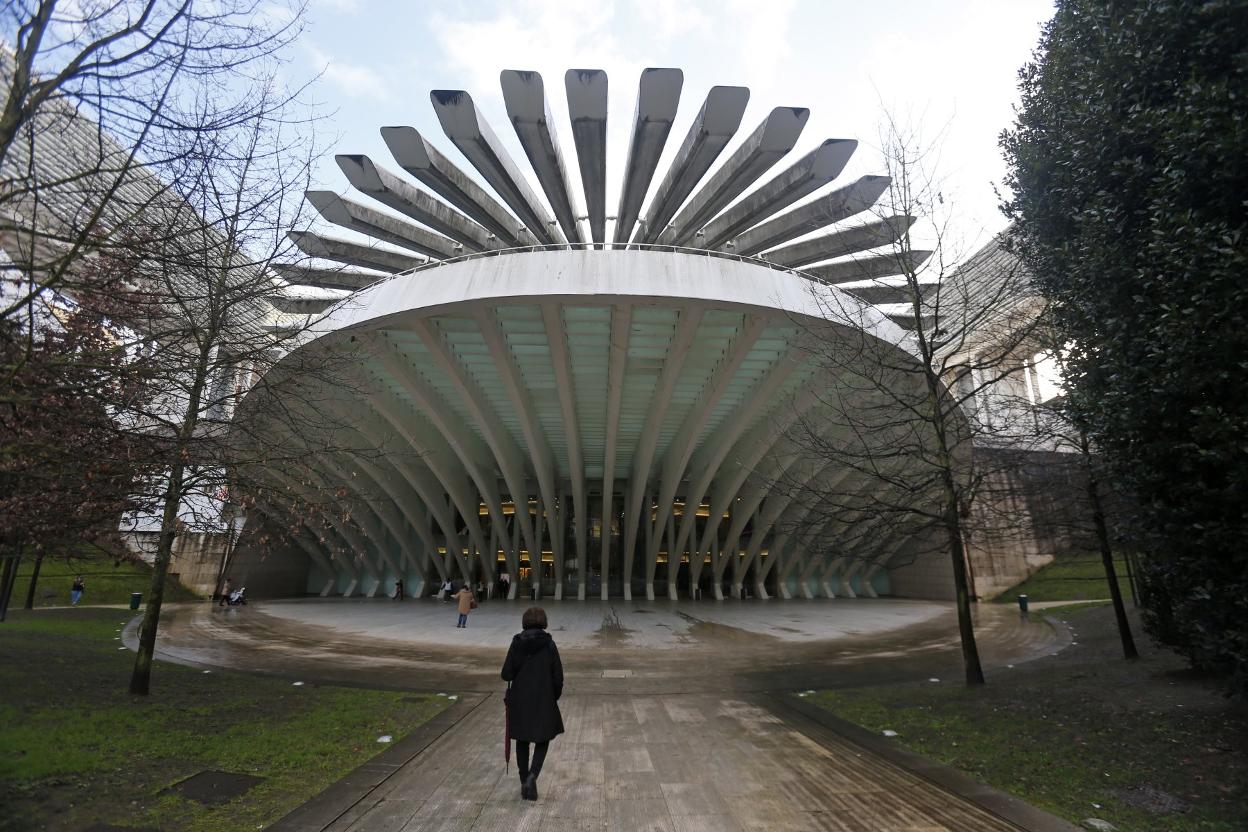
column 596, row 406
column 592, row 411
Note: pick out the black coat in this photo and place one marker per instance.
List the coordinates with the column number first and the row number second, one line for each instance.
column 536, row 677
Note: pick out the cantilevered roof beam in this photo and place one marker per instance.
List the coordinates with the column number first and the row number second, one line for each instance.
column 326, row 278
column 715, row 124
column 840, row 243
column 425, row 162
column 371, row 179
column 472, row 134
column 525, row 97
column 819, row 213
column 348, row 213
column 658, row 96
column 869, row 268
column 587, row 110
column 810, row 173
column 353, row 254
column 769, row 142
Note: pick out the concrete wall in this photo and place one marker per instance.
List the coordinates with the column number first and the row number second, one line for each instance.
column 196, row 557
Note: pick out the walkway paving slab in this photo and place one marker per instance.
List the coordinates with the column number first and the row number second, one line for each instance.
column 750, row 764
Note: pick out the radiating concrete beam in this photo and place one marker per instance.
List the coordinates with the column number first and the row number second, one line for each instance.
column 326, row 278
column 525, row 97
column 472, row 134
column 425, row 162
column 715, row 124
column 869, row 268
column 658, row 96
column 840, row 243
column 807, row 175
column 880, row 292
column 301, row 306
column 762, row 149
column 587, row 110
column 830, row 208
column 371, row 179
column 353, row 254
column 347, row 213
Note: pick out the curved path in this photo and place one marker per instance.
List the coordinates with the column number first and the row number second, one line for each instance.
column 607, row 647
column 676, row 715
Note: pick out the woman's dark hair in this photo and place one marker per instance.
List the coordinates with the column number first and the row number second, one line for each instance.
column 534, row 619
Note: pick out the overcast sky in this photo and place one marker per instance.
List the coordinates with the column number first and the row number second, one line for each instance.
column 948, row 66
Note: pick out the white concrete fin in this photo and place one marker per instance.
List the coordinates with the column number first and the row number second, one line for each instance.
column 347, row 213
column 471, row 133
column 762, row 149
column 658, row 96
column 841, row 243
column 587, row 111
column 828, row 209
column 326, row 278
column 353, row 254
column 390, row 190
column 525, row 97
column 422, row 160
column 810, row 173
column 715, row 125
column 868, row 268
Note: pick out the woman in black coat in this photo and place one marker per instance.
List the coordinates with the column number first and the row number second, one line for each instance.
column 536, row 675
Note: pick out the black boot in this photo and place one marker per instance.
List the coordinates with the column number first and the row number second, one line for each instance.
column 528, row 791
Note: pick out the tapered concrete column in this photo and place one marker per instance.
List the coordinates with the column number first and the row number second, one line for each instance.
column 846, row 589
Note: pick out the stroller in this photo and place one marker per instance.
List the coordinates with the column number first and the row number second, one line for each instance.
column 236, row 598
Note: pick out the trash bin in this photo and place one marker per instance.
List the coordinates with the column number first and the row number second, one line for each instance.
column 136, row 598
column 1022, row 603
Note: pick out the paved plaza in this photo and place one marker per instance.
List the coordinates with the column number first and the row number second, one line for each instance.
column 689, row 763
column 680, row 715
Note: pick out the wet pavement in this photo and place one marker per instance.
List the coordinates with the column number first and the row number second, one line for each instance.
column 677, row 717
column 607, row 647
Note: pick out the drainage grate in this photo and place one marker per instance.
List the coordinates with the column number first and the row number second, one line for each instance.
column 617, row 674
column 214, row 787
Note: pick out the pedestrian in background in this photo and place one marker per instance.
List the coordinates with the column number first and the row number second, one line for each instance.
column 467, row 603
column 75, row 591
column 535, row 672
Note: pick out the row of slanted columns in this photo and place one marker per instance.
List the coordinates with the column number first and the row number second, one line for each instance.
column 743, row 553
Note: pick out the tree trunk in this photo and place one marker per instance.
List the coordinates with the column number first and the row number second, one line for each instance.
column 1107, row 555
column 7, row 581
column 140, row 678
column 966, row 625
column 34, row 579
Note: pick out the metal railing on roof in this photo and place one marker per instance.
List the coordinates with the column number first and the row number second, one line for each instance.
column 670, row 249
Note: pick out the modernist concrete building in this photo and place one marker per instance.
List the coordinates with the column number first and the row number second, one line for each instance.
column 594, row 403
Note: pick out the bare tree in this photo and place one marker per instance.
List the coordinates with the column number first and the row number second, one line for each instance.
column 96, row 100
column 207, row 336
column 889, row 450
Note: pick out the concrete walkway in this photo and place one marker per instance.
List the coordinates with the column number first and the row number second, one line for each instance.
column 675, row 713
column 686, row 763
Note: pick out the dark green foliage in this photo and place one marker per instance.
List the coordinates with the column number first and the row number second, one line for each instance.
column 1130, row 171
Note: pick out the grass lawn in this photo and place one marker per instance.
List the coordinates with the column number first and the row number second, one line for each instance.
column 1071, row 578
column 106, row 583
column 76, row 748
column 1146, row 745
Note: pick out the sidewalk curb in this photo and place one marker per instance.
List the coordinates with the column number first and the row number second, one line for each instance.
column 814, row 721
column 340, row 797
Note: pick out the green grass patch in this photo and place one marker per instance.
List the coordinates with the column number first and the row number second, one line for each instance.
column 76, row 748
column 1070, row 578
column 1085, row 734
column 108, row 582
